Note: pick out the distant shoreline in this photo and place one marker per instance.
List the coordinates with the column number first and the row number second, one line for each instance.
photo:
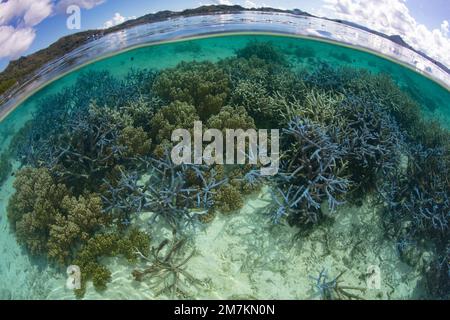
column 7, row 112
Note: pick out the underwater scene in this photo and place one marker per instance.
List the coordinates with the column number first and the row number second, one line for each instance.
column 359, row 206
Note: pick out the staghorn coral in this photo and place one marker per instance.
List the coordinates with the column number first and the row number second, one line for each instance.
column 372, row 137
column 417, row 202
column 347, row 132
column 44, row 138
column 201, row 84
column 312, row 173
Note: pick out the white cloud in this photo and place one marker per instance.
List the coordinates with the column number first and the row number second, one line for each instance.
column 15, row 41
column 445, row 28
column 117, row 19
column 225, row 2
column 62, row 5
column 24, row 13
column 393, row 17
column 18, row 17
column 250, row 4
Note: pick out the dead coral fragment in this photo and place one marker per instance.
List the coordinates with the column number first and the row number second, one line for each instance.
column 333, row 289
column 166, row 269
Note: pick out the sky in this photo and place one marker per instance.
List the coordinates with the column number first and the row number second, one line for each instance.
column 30, row 25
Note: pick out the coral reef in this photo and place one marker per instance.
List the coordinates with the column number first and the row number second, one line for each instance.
column 311, row 174
column 108, row 245
column 262, row 50
column 5, row 167
column 96, row 154
column 47, row 220
column 201, row 84
column 174, row 116
column 228, row 199
column 231, row 118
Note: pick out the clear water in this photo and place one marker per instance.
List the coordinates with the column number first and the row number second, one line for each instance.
column 243, row 255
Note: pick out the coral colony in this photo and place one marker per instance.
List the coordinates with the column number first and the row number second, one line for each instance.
column 104, row 151
column 214, row 152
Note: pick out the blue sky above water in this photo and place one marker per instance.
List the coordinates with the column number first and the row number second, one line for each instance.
column 29, row 25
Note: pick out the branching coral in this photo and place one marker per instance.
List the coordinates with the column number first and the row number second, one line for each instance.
column 372, row 137
column 78, row 219
column 166, row 269
column 32, row 209
column 69, row 115
column 181, row 193
column 135, row 142
column 100, row 155
column 312, row 173
column 333, row 289
column 231, row 118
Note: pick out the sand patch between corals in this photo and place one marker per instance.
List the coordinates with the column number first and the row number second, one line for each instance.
column 244, row 256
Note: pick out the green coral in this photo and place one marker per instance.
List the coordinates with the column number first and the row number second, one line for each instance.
column 5, row 167
column 231, row 118
column 135, row 140
column 33, row 207
column 201, row 84
column 228, row 199
column 78, row 220
column 177, row 115
column 108, row 245
column 263, row 50
column 47, row 219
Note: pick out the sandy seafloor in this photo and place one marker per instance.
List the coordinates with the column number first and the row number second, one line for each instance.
column 240, row 255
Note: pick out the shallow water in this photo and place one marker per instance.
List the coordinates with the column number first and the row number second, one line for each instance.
column 241, row 255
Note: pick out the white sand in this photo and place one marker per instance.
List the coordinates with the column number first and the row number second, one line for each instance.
column 243, row 256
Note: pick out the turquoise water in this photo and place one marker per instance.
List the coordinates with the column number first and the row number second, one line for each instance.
column 223, row 246
column 434, row 99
